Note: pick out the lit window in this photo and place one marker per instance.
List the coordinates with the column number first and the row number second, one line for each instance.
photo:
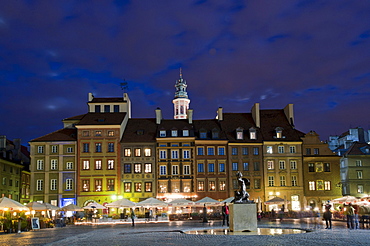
column 127, row 152
column 110, row 184
column 200, row 185
column 98, row 133
column 269, row 149
column 174, row 133
column 39, row 184
column 212, row 185
column 327, row 185
column 110, row 133
column 294, row 180
column 148, row 186
column 163, row 186
column 252, row 133
column 69, row 184
column 186, row 186
column 279, row 132
column 40, row 149
column 293, row 164
column 270, row 165
column 360, row 189
column 147, row 152
column 54, row 164
column 148, row 168
column 282, row 181
column 359, row 174
column 137, row 168
column 98, row 164
column 271, row 181
column 137, row 187
column 40, row 165
column 137, row 152
column 239, row 133
column 54, row 149
column 257, row 183
column 358, row 163
column 69, row 165
column 162, row 133
column 86, row 165
column 222, row 185
column 85, row 185
column 185, row 133
column 53, row 184
column 98, row 185
column 127, row 187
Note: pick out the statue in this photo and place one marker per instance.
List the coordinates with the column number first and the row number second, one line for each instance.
column 242, row 196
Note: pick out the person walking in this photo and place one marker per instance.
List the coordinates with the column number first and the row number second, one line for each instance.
column 350, row 216
column 327, row 215
column 225, row 214
column 132, row 215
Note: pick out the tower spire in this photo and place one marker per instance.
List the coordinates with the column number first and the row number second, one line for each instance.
column 181, row 101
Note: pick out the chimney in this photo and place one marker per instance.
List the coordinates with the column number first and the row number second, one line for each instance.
column 289, row 114
column 256, row 114
column 190, row 116
column 17, row 147
column 158, row 116
column 2, row 142
column 220, row 115
column 91, row 96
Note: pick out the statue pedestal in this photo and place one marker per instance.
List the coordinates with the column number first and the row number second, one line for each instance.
column 243, row 217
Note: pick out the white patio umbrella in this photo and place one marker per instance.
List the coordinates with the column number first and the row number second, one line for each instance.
column 51, row 206
column 208, row 202
column 10, row 204
column 121, row 203
column 37, row 206
column 94, row 205
column 151, row 202
column 345, row 199
column 276, row 200
column 181, row 202
column 71, row 207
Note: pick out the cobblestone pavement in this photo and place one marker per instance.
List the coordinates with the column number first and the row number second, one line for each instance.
column 170, row 233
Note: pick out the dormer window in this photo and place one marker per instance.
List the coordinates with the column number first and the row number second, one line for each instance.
column 215, row 134
column 239, row 133
column 174, row 133
column 162, row 133
column 185, row 133
column 252, row 133
column 279, row 132
column 203, row 133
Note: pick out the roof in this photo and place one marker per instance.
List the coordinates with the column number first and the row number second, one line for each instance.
column 65, row 134
column 107, row 100
column 77, row 117
column 140, row 130
column 232, row 121
column 102, row 119
column 358, row 149
column 209, row 126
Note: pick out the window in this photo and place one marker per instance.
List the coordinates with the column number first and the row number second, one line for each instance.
column 175, row 170
column 137, row 152
column 54, row 149
column 162, row 154
column 294, row 180
column 222, row 186
column 85, row 133
column 200, row 168
column 53, row 164
column 293, row 164
column 269, row 150
column 326, row 167
column 98, row 133
column 127, row 186
column 4, row 181
column 271, row 181
column 148, row 186
column 270, row 165
column 69, row 184
column 234, row 151
column 86, row 147
column 308, row 151
column 98, row 147
column 137, row 168
column 39, row 165
column 162, row 133
column 186, row 154
column 137, row 187
column 148, row 167
column 319, row 185
column 252, row 133
column 359, row 174
column 235, row 166
column 281, row 149
column 162, row 186
column 110, row 147
column 221, row 150
column 85, row 185
column 327, row 185
column 256, row 165
column 203, row 134
column 360, row 189
column 53, row 184
column 39, row 184
column 200, row 185
column 246, row 166
column 244, row 151
column 211, row 151
column 127, row 168
column 40, row 149
column 316, row 151
column 257, row 183
column 106, row 108
column 279, row 132
column 110, row 165
column 110, row 184
column 358, row 163
column 311, row 185
column 69, row 149
column 162, row 170
column 97, row 108
column 186, row 170
column 185, row 133
column 221, row 167
column 174, row 154
column 282, row 181
column 86, row 165
column 212, row 185
column 311, row 167
column 281, row 164
column 10, row 182
column 174, row 133
column 200, row 151
column 255, row 151
column 98, row 165
column 211, row 167
column 69, row 165
column 110, row 133
column 147, row 152
column 98, row 185
column 127, row 152
column 239, row 133
column 292, row 149
column 115, row 108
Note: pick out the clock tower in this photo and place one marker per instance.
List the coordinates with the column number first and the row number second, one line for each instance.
column 181, row 101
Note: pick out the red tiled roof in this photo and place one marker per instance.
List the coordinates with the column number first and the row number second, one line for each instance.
column 358, row 149
column 65, row 134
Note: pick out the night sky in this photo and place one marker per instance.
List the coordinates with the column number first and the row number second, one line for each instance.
column 314, row 54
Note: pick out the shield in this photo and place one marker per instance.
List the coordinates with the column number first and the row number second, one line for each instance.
column 152, row 202
column 9, row 204
column 181, row 202
column 121, row 203
column 208, row 202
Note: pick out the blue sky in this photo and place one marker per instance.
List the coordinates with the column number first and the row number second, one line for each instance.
column 314, row 54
